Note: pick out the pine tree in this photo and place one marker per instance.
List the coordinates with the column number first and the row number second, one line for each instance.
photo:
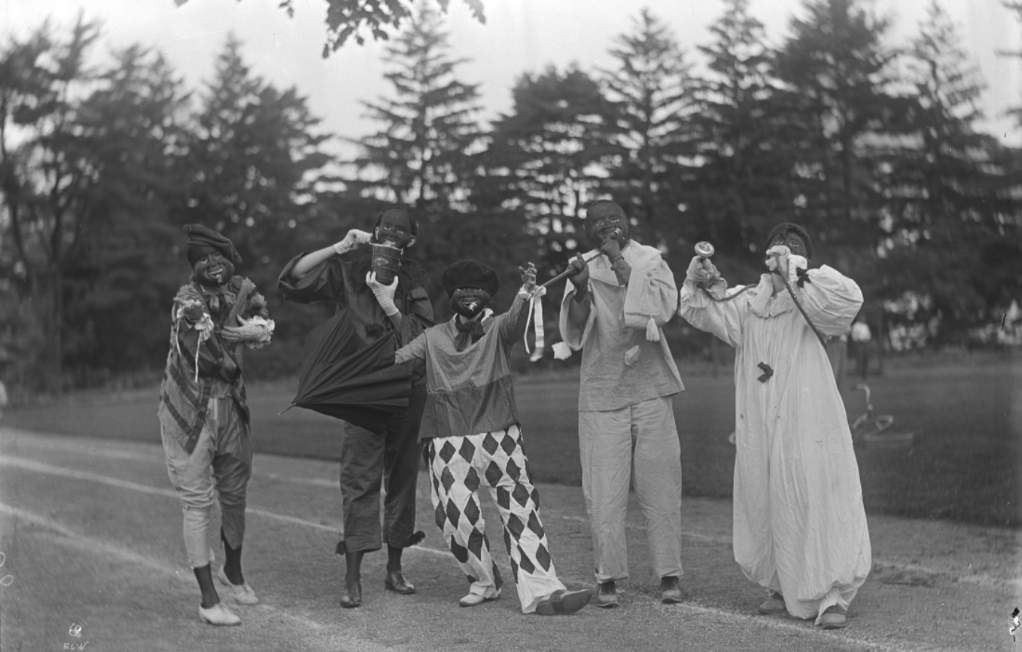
column 838, row 76
column 944, row 190
column 1015, row 6
column 419, row 154
column 256, row 157
column 131, row 133
column 651, row 90
column 742, row 124
column 547, row 158
column 44, row 174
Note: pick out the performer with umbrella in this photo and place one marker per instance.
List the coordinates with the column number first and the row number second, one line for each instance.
column 473, row 437
column 377, row 445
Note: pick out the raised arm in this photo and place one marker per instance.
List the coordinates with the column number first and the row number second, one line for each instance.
column 722, row 319
column 830, row 299
column 512, row 323
column 313, row 276
column 306, row 263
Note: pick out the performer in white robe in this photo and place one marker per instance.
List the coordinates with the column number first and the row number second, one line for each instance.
column 799, row 523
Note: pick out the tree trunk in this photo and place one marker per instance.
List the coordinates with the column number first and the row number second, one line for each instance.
column 50, row 307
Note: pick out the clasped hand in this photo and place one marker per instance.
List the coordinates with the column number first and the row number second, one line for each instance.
column 352, row 239
column 579, row 271
column 254, row 330
column 528, row 275
column 384, row 293
column 702, row 271
column 612, row 248
column 786, row 264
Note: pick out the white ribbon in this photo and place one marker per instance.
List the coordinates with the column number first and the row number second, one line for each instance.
column 536, row 317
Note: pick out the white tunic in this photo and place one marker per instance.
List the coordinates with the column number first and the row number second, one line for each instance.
column 799, row 523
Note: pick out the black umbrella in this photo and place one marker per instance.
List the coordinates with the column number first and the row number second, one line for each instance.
column 343, row 377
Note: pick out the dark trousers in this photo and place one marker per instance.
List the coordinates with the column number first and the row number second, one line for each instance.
column 862, row 358
column 388, row 459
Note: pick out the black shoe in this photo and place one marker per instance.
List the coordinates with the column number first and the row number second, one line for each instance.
column 396, row 582
column 606, row 595
column 352, row 597
column 772, row 605
column 670, row 590
column 563, row 602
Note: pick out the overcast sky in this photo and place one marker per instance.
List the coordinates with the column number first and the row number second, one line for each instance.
column 519, row 36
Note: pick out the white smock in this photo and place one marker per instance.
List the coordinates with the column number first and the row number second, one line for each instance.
column 799, row 523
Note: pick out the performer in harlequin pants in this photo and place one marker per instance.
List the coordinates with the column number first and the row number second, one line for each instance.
column 474, row 440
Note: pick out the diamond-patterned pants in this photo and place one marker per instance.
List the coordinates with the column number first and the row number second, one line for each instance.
column 458, row 466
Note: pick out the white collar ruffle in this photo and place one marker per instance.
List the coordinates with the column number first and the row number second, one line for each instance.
column 767, row 305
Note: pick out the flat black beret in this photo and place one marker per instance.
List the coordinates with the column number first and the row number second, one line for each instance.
column 202, row 240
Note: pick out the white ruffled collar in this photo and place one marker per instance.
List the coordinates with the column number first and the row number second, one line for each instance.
column 767, row 305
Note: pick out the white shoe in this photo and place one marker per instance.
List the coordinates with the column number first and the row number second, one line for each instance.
column 218, row 614
column 474, row 599
column 242, row 593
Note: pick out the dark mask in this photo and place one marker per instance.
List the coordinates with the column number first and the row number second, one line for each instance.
column 212, row 270
column 609, row 228
column 793, row 242
column 469, row 302
column 394, row 229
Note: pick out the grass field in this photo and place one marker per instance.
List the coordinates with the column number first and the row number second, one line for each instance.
column 965, row 465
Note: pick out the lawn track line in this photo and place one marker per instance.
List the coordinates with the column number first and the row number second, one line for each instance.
column 58, row 443
column 74, row 474
column 99, row 547
column 98, row 448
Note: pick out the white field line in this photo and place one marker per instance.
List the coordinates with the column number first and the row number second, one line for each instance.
column 99, row 547
column 153, row 456
column 743, row 621
column 91, row 448
column 75, row 474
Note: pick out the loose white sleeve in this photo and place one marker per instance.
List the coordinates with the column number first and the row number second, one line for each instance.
column 722, row 319
column 831, row 300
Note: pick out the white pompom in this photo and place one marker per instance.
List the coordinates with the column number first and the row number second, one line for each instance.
column 652, row 332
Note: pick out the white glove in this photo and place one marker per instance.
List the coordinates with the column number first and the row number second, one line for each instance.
column 352, row 239
column 702, row 271
column 254, row 330
column 777, row 258
column 529, row 288
column 384, row 293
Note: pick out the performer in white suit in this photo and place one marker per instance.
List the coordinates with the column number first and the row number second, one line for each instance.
column 613, row 310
